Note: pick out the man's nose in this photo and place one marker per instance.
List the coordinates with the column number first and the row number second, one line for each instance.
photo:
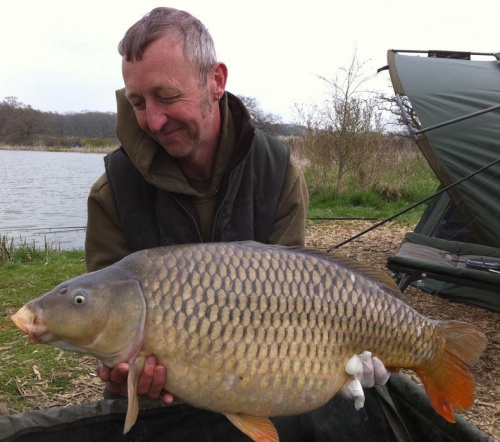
column 156, row 117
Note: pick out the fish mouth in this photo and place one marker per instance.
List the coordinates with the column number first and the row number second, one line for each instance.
column 29, row 323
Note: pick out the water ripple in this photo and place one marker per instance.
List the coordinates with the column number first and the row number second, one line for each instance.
column 43, row 195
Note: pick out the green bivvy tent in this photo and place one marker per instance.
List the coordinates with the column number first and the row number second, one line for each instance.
column 451, row 104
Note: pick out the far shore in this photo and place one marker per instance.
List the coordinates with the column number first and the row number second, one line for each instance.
column 83, row 149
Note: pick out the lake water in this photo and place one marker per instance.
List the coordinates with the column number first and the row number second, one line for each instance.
column 43, row 196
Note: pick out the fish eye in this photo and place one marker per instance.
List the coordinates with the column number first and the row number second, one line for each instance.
column 79, row 298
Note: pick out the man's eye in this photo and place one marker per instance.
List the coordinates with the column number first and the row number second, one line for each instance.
column 138, row 106
column 169, row 99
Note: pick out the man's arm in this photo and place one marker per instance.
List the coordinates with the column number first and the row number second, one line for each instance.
column 290, row 219
column 105, row 243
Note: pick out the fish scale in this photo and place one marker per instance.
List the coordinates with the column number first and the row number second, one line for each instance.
column 252, row 330
column 262, row 340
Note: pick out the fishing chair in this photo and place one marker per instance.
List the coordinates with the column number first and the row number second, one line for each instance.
column 434, row 264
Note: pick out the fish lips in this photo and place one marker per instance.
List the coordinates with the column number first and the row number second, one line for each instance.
column 30, row 324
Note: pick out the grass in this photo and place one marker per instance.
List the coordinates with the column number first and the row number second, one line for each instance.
column 30, row 372
column 393, row 180
column 375, row 202
column 24, row 251
column 370, row 203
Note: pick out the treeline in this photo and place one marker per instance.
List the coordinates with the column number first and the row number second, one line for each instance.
column 20, row 124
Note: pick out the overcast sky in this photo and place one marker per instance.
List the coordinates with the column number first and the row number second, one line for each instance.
column 61, row 56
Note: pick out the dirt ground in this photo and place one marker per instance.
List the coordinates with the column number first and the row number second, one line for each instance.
column 374, row 248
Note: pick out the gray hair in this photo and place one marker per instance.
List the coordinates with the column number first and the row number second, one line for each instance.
column 198, row 43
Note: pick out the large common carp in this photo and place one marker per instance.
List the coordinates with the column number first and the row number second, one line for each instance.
column 251, row 330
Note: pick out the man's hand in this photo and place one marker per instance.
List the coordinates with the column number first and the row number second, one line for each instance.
column 151, row 381
column 366, row 371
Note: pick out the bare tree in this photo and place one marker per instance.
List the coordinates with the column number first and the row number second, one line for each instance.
column 346, row 128
column 400, row 107
column 263, row 120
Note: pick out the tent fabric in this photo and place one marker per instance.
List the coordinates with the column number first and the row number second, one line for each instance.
column 443, row 89
column 442, row 219
column 456, row 106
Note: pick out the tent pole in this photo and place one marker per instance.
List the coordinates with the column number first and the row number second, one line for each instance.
column 456, row 120
column 439, row 192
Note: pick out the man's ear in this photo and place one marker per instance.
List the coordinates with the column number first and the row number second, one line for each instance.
column 219, row 77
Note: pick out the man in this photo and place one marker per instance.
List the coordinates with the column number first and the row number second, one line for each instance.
column 191, row 168
column 189, row 154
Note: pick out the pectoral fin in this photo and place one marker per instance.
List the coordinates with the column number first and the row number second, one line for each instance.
column 259, row 429
column 136, row 366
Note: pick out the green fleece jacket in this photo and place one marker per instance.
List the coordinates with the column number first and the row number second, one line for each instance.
column 106, row 242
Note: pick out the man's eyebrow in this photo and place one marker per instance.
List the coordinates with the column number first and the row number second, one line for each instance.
column 166, row 90
column 156, row 90
column 131, row 95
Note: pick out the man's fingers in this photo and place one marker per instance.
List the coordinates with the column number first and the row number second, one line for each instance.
column 354, row 391
column 115, row 374
column 367, row 378
column 103, row 372
column 158, row 382
column 369, row 370
column 381, row 374
column 167, row 397
column 146, row 377
column 151, row 381
column 119, row 373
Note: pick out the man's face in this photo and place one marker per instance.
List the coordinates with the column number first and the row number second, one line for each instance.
column 168, row 101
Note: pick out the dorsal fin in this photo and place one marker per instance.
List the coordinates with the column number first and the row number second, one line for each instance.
column 372, row 273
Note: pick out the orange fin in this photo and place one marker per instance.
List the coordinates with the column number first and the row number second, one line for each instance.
column 259, row 429
column 447, row 379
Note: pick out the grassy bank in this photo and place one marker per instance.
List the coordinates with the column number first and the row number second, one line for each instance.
column 399, row 182
column 28, row 373
column 364, row 204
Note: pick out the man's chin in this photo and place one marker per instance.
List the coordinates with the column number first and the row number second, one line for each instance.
column 176, row 148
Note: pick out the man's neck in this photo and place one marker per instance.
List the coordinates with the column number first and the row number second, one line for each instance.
column 201, row 167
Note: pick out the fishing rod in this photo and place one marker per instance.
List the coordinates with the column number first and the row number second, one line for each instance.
column 340, row 218
column 439, row 192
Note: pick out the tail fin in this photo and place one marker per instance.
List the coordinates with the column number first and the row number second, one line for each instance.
column 447, row 379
